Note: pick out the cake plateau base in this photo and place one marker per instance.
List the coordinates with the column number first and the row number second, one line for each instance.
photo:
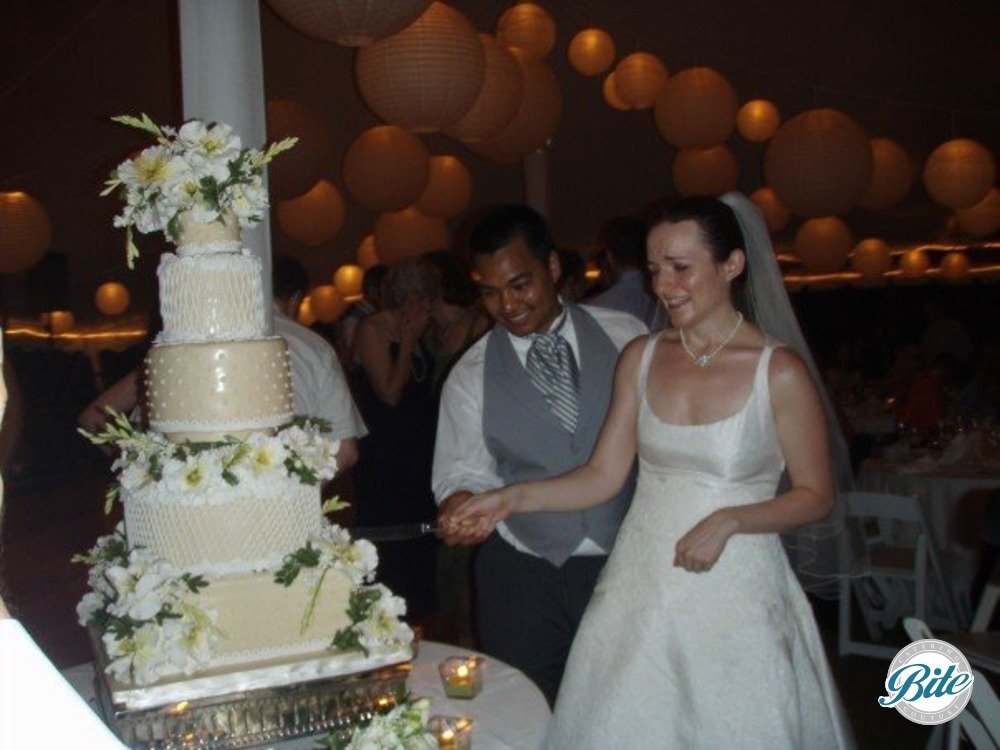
column 256, row 717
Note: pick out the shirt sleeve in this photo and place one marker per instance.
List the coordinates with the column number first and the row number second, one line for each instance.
column 335, row 396
column 461, row 459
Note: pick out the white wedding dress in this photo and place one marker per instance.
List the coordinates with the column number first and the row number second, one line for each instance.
column 729, row 658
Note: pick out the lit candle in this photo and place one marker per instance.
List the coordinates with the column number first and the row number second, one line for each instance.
column 462, row 676
column 451, row 732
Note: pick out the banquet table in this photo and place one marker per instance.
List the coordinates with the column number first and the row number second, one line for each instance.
column 510, row 713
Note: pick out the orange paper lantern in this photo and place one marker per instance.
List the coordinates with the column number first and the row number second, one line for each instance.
column 425, row 77
column 528, row 27
column 352, row 23
column 25, row 232
column 306, row 316
column 872, row 258
column 448, row 190
column 591, row 52
column 386, row 168
column 955, row 267
column 60, row 321
column 758, row 120
column 819, row 163
column 367, row 256
column 498, row 99
column 639, row 79
column 823, row 244
column 408, row 233
column 112, row 298
column 776, row 213
column 914, row 264
column 299, row 168
column 327, row 303
column 959, row 173
column 705, row 171
column 347, row 280
column 982, row 219
column 610, row 90
column 696, row 108
column 315, row 217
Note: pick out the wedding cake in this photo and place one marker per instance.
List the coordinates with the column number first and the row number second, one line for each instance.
column 224, row 575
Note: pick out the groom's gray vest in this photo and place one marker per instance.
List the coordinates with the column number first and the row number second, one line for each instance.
column 528, row 441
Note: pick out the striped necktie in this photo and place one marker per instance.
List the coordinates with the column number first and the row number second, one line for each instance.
column 553, row 371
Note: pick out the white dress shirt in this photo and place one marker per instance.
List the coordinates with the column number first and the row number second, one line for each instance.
column 461, row 458
column 318, row 383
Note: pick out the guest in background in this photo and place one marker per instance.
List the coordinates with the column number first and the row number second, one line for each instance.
column 372, row 285
column 981, row 395
column 623, row 244
column 457, row 317
column 393, row 382
column 943, row 334
column 318, row 382
column 572, row 282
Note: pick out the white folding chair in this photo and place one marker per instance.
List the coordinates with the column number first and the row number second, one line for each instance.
column 981, row 645
column 900, row 573
column 980, row 721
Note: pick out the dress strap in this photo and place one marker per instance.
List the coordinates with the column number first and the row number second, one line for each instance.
column 760, row 381
column 647, row 356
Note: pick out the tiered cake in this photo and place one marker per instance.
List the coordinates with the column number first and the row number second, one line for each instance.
column 225, row 576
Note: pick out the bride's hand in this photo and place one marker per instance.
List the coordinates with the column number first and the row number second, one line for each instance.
column 699, row 549
column 481, row 513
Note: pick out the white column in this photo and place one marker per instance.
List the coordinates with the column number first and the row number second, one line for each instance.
column 536, row 181
column 222, row 75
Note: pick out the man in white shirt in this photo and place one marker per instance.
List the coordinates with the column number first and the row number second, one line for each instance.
column 623, row 239
column 318, row 382
column 526, row 402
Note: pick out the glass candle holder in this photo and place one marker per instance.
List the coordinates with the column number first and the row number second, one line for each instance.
column 462, row 676
column 451, row 732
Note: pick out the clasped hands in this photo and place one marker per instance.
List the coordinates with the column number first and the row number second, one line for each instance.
column 465, row 518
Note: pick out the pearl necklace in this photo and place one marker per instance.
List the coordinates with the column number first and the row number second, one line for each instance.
column 703, row 360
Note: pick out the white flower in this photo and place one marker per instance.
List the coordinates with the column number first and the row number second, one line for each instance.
column 91, row 603
column 267, row 454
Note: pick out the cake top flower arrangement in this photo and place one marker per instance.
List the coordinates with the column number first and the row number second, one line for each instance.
column 201, row 168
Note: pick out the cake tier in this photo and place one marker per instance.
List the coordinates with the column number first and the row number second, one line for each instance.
column 236, row 529
column 205, row 391
column 214, row 297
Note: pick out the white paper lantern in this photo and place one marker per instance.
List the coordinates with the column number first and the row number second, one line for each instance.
column 776, row 213
column 591, row 52
column 112, row 298
column 705, row 171
column 425, row 77
column 386, row 168
column 347, row 280
column 893, row 172
column 696, row 108
column 327, row 303
column 352, row 23
column 914, row 264
column 610, row 91
column 872, row 258
column 955, row 267
column 498, row 99
column 315, row 217
column 299, row 168
column 819, row 163
column 528, row 27
column 982, row 219
column 449, row 188
column 367, row 255
column 25, row 231
column 758, row 120
column 408, row 233
column 959, row 173
column 639, row 79
column 823, row 244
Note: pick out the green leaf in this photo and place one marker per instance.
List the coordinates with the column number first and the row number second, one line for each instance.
column 333, row 504
column 111, row 497
column 304, row 557
column 145, row 123
column 131, row 250
column 193, row 582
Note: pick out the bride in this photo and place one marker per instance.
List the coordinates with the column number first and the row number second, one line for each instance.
column 698, row 633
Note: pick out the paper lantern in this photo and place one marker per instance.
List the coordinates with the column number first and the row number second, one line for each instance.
column 426, row 76
column 306, row 316
column 705, row 171
column 959, row 173
column 347, row 280
column 758, row 120
column 352, row 23
column 696, row 108
column 112, row 298
column 823, row 244
column 610, row 90
column 367, row 256
column 408, row 233
column 327, row 303
column 955, row 267
column 819, row 163
column 299, row 168
column 639, row 79
column 872, row 258
column 776, row 213
column 914, row 264
column 528, row 27
column 60, row 321
column 893, row 172
column 982, row 219
column 313, row 218
column 498, row 99
column 448, row 190
column 386, row 168
column 25, row 231
column 591, row 52
column 537, row 115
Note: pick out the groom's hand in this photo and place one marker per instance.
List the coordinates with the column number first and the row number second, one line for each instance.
column 453, row 533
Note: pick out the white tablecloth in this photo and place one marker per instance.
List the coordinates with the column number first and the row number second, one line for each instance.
column 510, row 713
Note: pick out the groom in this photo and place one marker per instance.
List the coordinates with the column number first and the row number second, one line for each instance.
column 527, row 402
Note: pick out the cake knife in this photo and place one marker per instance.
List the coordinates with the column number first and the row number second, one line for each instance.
column 394, row 533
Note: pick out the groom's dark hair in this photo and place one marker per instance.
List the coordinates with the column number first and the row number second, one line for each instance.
column 499, row 225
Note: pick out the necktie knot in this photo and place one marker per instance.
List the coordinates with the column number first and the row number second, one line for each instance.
column 553, row 371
